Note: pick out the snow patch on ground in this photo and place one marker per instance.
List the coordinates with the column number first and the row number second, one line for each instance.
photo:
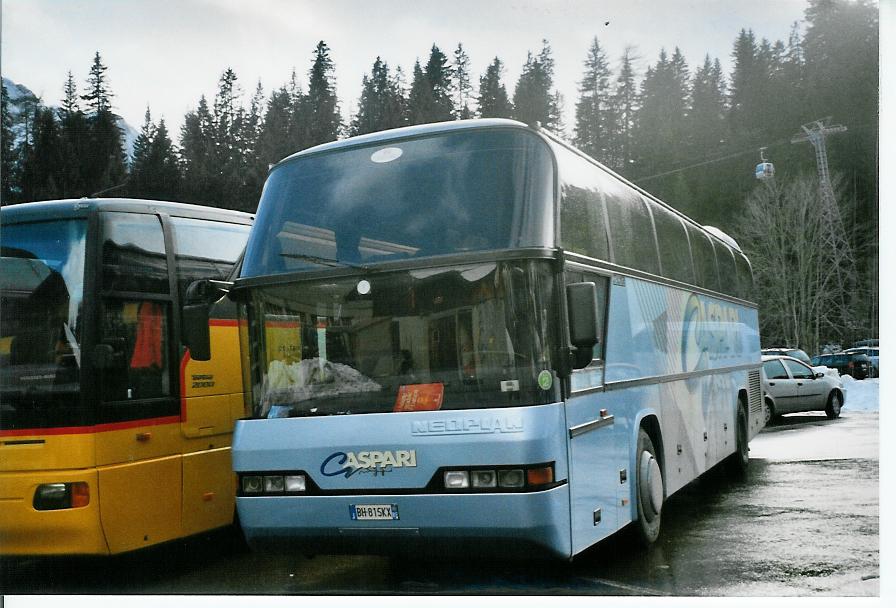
column 861, row 395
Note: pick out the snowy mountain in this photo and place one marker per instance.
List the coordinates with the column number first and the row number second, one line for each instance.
column 19, row 97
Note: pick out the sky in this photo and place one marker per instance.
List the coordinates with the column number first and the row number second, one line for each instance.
column 165, row 54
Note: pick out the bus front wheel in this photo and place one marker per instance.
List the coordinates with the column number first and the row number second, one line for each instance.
column 648, row 490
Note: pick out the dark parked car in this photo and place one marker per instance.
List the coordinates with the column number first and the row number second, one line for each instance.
column 853, row 363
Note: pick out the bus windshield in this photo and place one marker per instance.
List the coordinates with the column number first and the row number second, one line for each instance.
column 454, row 337
column 42, row 287
column 446, row 193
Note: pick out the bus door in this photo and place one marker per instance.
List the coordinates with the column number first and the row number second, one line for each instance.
column 596, row 449
column 211, row 391
column 138, row 442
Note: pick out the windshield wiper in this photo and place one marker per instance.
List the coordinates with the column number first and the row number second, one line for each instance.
column 323, row 261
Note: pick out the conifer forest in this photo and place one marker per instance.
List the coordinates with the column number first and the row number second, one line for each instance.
column 683, row 129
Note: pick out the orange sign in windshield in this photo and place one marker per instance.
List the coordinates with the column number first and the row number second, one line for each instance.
column 419, row 397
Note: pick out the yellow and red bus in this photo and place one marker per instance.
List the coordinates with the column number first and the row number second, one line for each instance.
column 112, row 438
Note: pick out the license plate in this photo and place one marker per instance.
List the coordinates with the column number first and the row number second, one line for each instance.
column 374, row 512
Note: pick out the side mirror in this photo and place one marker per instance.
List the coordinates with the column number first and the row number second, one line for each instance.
column 581, row 305
column 819, row 374
column 195, row 316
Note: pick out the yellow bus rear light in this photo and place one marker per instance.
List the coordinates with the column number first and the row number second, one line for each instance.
column 56, row 496
column 80, row 494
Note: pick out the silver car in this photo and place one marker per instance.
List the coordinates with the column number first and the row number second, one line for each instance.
column 792, row 386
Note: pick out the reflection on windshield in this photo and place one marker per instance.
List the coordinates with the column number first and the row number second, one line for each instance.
column 467, row 336
column 447, row 193
column 40, row 353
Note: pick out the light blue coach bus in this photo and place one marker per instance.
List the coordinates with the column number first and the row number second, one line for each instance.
column 470, row 334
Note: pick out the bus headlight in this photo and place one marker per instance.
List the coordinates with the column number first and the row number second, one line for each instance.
column 252, row 484
column 295, row 483
column 456, row 480
column 484, row 479
column 55, row 496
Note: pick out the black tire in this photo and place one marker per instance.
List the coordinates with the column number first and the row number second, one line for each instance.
column 738, row 463
column 649, row 490
column 835, row 403
column 770, row 414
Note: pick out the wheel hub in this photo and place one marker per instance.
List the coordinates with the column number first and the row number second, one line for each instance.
column 651, row 485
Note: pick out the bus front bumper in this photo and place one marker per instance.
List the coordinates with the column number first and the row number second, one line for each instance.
column 488, row 524
column 25, row 530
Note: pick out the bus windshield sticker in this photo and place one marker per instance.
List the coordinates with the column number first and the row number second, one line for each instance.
column 545, row 380
column 510, row 386
column 419, row 397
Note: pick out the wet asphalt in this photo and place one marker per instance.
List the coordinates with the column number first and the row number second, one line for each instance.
column 804, row 523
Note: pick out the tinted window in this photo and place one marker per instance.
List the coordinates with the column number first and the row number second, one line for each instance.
column 744, row 276
column 774, row 370
column 675, row 252
column 205, row 249
column 134, row 253
column 592, row 375
column 631, row 230
column 582, row 224
column 446, row 193
column 727, row 269
column 798, row 370
column 704, row 259
column 41, row 296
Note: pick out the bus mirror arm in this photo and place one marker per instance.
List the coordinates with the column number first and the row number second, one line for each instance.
column 581, row 303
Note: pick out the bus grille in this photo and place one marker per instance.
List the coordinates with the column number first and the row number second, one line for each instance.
column 754, row 391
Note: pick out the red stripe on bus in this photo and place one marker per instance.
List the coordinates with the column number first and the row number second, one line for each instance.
column 97, row 428
column 223, row 323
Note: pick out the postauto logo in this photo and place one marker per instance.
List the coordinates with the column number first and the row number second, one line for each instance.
column 709, row 332
column 372, row 462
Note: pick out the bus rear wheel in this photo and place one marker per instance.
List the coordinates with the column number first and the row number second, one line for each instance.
column 738, row 462
column 649, row 490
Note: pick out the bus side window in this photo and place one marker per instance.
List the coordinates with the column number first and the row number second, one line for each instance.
column 205, row 249
column 675, row 254
column 137, row 332
column 592, row 376
column 134, row 357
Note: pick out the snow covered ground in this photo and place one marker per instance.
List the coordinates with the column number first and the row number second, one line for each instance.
column 861, row 395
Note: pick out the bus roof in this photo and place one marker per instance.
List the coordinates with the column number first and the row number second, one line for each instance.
column 406, row 132
column 44, row 210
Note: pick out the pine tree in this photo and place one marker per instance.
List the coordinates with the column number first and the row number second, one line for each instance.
column 274, row 141
column 493, row 101
column 43, row 163
column 625, row 105
column 325, row 121
column 462, row 86
column 593, row 124
column 420, row 101
column 138, row 182
column 381, row 105
column 104, row 168
column 74, row 136
column 7, row 161
column 533, row 100
column 197, row 154
column 430, row 96
column 165, row 183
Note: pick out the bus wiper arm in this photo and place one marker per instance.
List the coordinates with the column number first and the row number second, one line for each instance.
column 323, row 261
